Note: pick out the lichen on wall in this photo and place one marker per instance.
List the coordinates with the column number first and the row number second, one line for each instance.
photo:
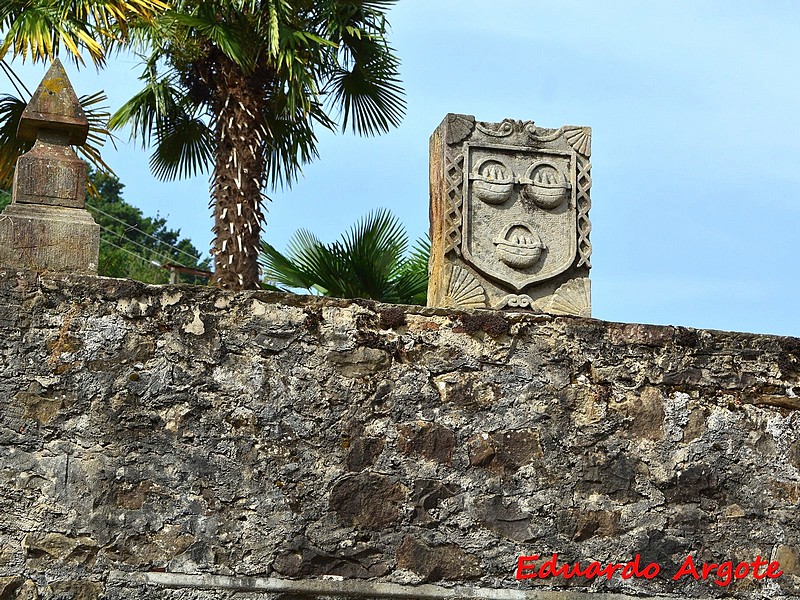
column 184, row 430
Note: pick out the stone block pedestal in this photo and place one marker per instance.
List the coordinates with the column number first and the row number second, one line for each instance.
column 49, row 238
column 46, row 227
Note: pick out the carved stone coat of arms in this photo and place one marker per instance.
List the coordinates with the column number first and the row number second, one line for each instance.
column 510, row 216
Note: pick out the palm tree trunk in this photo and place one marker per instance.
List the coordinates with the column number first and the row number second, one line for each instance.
column 236, row 181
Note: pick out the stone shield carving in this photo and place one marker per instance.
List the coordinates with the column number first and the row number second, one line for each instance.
column 519, row 213
column 510, row 214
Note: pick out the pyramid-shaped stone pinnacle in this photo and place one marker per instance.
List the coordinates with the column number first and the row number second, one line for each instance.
column 54, row 107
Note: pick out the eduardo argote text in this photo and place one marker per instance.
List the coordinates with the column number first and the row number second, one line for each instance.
column 723, row 574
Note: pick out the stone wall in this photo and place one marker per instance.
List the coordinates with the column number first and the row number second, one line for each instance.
column 182, row 442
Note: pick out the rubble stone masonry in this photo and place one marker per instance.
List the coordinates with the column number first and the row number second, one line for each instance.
column 182, row 442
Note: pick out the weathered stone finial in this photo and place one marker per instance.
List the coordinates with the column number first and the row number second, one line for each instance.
column 510, row 216
column 54, row 107
column 46, row 227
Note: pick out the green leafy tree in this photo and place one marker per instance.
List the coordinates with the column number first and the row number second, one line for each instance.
column 369, row 261
column 237, row 87
column 131, row 245
column 135, row 246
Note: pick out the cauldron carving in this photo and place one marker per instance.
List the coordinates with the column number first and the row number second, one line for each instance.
column 493, row 182
column 545, row 186
column 519, row 246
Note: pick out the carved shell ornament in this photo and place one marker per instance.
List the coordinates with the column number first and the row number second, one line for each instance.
column 493, row 181
column 572, row 298
column 545, row 186
column 519, row 246
column 580, row 138
column 459, row 127
column 464, row 290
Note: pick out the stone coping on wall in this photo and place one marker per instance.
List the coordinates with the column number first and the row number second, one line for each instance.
column 184, row 442
column 337, row 587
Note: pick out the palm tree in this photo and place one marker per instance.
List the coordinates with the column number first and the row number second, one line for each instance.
column 368, row 262
column 237, row 86
column 38, row 30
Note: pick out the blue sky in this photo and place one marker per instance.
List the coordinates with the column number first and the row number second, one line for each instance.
column 693, row 107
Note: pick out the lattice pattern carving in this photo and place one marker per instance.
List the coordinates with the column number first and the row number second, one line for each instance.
column 454, row 175
column 510, row 206
column 584, row 203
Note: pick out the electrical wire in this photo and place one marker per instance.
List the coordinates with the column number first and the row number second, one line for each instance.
column 134, row 228
column 17, row 83
column 129, row 226
column 154, row 263
column 134, row 242
column 151, row 262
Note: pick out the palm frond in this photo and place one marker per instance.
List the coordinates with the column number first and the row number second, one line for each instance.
column 151, row 109
column 11, row 148
column 184, row 148
column 277, row 268
column 97, row 114
column 292, row 141
column 364, row 83
column 309, row 265
column 369, row 95
column 375, row 246
column 302, row 248
column 366, row 262
column 320, row 264
column 39, row 29
column 219, row 23
column 411, row 282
